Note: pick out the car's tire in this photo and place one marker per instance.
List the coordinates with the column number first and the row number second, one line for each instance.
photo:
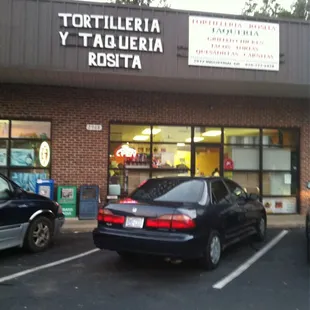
column 212, row 253
column 261, row 229
column 39, row 235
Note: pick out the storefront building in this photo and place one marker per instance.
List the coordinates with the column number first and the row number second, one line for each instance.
column 113, row 95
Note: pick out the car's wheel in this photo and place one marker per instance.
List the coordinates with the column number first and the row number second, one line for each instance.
column 261, row 228
column 213, row 251
column 39, row 235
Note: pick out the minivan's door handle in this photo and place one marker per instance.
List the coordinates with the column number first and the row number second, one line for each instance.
column 23, row 206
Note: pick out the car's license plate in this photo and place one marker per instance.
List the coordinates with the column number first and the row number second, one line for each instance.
column 134, row 222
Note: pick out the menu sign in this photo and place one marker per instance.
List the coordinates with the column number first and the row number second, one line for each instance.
column 113, row 42
column 230, row 43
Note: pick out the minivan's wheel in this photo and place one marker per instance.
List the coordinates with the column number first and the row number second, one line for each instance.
column 39, row 234
column 261, row 228
column 212, row 253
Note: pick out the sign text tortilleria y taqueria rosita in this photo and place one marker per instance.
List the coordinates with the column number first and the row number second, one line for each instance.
column 117, row 49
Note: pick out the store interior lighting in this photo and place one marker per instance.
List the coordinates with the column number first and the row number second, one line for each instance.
column 196, row 139
column 140, row 138
column 147, row 131
column 180, row 144
column 212, row 133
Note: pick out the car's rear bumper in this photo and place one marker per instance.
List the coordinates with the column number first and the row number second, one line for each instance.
column 166, row 244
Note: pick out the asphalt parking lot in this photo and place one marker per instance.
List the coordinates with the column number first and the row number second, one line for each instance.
column 101, row 280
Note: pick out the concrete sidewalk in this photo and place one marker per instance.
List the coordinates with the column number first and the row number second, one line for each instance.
column 274, row 221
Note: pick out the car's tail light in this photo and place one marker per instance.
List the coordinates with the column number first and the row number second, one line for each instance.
column 127, row 200
column 59, row 208
column 107, row 216
column 59, row 211
column 175, row 221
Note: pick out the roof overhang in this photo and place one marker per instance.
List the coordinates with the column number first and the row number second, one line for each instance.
column 141, row 83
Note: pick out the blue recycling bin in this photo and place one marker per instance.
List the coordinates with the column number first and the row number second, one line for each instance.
column 89, row 200
column 45, row 188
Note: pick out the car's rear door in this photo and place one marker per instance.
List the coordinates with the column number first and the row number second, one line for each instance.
column 227, row 210
column 11, row 223
column 246, row 209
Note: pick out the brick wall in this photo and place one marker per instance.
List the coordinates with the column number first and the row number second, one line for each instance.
column 80, row 156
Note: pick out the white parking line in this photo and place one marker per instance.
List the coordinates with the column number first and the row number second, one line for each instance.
column 58, row 262
column 220, row 284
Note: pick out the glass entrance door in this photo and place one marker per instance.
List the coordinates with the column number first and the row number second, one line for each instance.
column 207, row 160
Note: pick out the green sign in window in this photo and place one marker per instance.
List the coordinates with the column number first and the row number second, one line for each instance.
column 66, row 197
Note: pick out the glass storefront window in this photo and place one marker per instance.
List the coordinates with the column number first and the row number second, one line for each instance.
column 242, row 136
column 280, row 137
column 3, row 153
column 171, row 134
column 177, row 156
column 31, row 130
column 241, row 158
column 248, row 180
column 25, row 153
column 275, row 158
column 27, row 179
column 279, row 184
column 130, row 155
column 239, row 149
column 208, row 134
column 207, row 160
column 135, row 178
column 116, row 182
column 4, row 129
column 129, row 133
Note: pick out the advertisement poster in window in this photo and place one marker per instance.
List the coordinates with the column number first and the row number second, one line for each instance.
column 22, row 157
column 3, row 157
column 280, row 205
column 28, row 181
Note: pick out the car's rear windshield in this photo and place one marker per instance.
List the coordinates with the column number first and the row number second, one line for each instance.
column 170, row 190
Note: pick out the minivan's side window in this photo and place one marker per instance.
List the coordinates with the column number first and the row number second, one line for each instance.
column 4, row 188
column 236, row 190
column 220, row 194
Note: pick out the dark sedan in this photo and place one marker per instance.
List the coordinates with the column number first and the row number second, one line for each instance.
column 181, row 218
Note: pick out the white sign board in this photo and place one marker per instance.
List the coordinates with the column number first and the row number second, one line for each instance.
column 94, row 127
column 232, row 43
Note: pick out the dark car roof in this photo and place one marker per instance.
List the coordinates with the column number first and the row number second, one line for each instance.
column 209, row 178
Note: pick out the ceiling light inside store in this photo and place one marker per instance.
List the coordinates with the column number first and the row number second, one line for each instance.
column 196, row 139
column 212, row 133
column 140, row 138
column 147, row 131
column 180, row 144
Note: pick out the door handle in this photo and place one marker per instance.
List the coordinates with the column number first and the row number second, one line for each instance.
column 23, row 206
